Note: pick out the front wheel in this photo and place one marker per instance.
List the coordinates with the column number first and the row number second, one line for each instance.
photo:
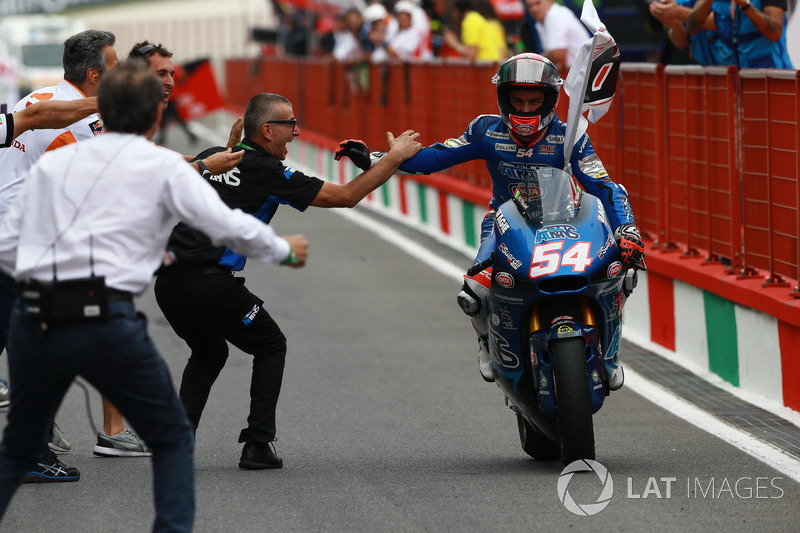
column 573, row 401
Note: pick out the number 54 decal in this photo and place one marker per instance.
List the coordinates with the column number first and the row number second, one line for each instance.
column 547, row 257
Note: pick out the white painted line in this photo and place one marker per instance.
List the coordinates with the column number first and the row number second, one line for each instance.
column 760, row 450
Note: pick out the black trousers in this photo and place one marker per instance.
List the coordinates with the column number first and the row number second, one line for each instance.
column 208, row 309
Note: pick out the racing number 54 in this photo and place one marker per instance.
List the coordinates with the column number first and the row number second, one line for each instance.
column 547, row 257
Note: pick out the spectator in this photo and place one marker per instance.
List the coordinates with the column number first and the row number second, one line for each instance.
column 479, row 40
column 560, row 32
column 406, row 44
column 347, row 47
column 380, row 26
column 421, row 21
column 673, row 14
column 497, row 33
column 749, row 33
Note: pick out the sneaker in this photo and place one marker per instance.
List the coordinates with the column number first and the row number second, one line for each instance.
column 617, row 379
column 3, row 392
column 51, row 470
column 484, row 361
column 125, row 444
column 258, row 456
column 59, row 444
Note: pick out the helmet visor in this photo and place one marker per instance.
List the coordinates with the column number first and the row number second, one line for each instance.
column 525, row 70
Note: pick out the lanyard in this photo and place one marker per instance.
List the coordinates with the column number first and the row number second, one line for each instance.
column 242, row 145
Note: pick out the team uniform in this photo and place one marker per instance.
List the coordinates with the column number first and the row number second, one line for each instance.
column 207, row 306
column 31, row 145
column 507, row 161
column 106, row 207
column 6, row 129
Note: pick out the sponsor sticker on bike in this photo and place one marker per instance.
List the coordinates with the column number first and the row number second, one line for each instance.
column 504, row 279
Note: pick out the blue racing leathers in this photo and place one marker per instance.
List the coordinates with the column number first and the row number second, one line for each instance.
column 507, row 160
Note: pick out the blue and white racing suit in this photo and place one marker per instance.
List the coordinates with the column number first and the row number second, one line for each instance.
column 487, row 138
column 507, row 160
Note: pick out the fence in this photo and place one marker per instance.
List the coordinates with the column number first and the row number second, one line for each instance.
column 708, row 155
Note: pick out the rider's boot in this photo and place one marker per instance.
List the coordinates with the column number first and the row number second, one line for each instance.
column 484, row 361
column 472, row 300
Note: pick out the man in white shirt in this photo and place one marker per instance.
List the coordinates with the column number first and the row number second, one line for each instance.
column 560, row 31
column 406, row 44
column 87, row 57
column 97, row 216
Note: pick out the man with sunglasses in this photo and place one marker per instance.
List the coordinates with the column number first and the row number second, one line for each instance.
column 208, row 307
column 159, row 59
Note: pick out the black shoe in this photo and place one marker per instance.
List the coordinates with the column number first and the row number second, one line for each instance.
column 257, row 456
column 51, row 470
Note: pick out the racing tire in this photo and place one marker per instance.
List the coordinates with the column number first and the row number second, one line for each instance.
column 573, row 401
column 535, row 443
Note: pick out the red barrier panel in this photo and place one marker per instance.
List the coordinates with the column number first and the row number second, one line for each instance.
column 642, row 146
column 770, row 171
column 709, row 156
column 701, row 171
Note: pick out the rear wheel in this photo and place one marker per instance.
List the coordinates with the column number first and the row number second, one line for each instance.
column 536, row 444
column 573, row 402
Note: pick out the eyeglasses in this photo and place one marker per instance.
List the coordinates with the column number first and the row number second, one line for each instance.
column 292, row 122
column 144, row 49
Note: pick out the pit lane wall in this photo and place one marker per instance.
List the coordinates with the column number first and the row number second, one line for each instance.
column 709, row 156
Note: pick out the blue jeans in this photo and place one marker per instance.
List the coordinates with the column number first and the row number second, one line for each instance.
column 118, row 358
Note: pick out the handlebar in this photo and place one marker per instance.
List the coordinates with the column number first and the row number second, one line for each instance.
column 479, row 267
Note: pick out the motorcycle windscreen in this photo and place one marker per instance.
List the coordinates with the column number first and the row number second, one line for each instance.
column 550, row 194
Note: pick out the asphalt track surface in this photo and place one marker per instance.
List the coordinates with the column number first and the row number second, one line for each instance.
column 385, row 425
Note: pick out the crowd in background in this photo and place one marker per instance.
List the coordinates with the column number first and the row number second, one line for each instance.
column 745, row 33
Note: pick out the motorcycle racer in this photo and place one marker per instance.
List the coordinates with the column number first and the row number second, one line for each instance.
column 526, row 135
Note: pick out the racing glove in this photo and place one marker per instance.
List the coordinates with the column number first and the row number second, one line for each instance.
column 356, row 150
column 630, row 245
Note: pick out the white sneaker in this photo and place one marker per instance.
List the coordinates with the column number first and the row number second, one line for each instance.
column 617, row 379
column 484, row 361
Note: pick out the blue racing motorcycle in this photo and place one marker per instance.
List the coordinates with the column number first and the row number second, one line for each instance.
column 554, row 312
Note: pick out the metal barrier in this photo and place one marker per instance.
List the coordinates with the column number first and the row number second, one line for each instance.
column 770, row 170
column 709, row 155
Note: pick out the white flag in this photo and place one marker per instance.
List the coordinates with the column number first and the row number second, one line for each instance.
column 592, row 79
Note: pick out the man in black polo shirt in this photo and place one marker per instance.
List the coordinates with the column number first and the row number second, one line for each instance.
column 208, row 307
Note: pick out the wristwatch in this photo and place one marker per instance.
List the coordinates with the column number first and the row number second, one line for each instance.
column 747, row 5
column 204, row 169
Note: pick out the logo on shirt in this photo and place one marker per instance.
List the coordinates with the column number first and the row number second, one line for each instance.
column 505, row 147
column 496, row 135
column 251, row 315
column 555, row 139
column 96, row 127
column 547, row 149
column 231, row 177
